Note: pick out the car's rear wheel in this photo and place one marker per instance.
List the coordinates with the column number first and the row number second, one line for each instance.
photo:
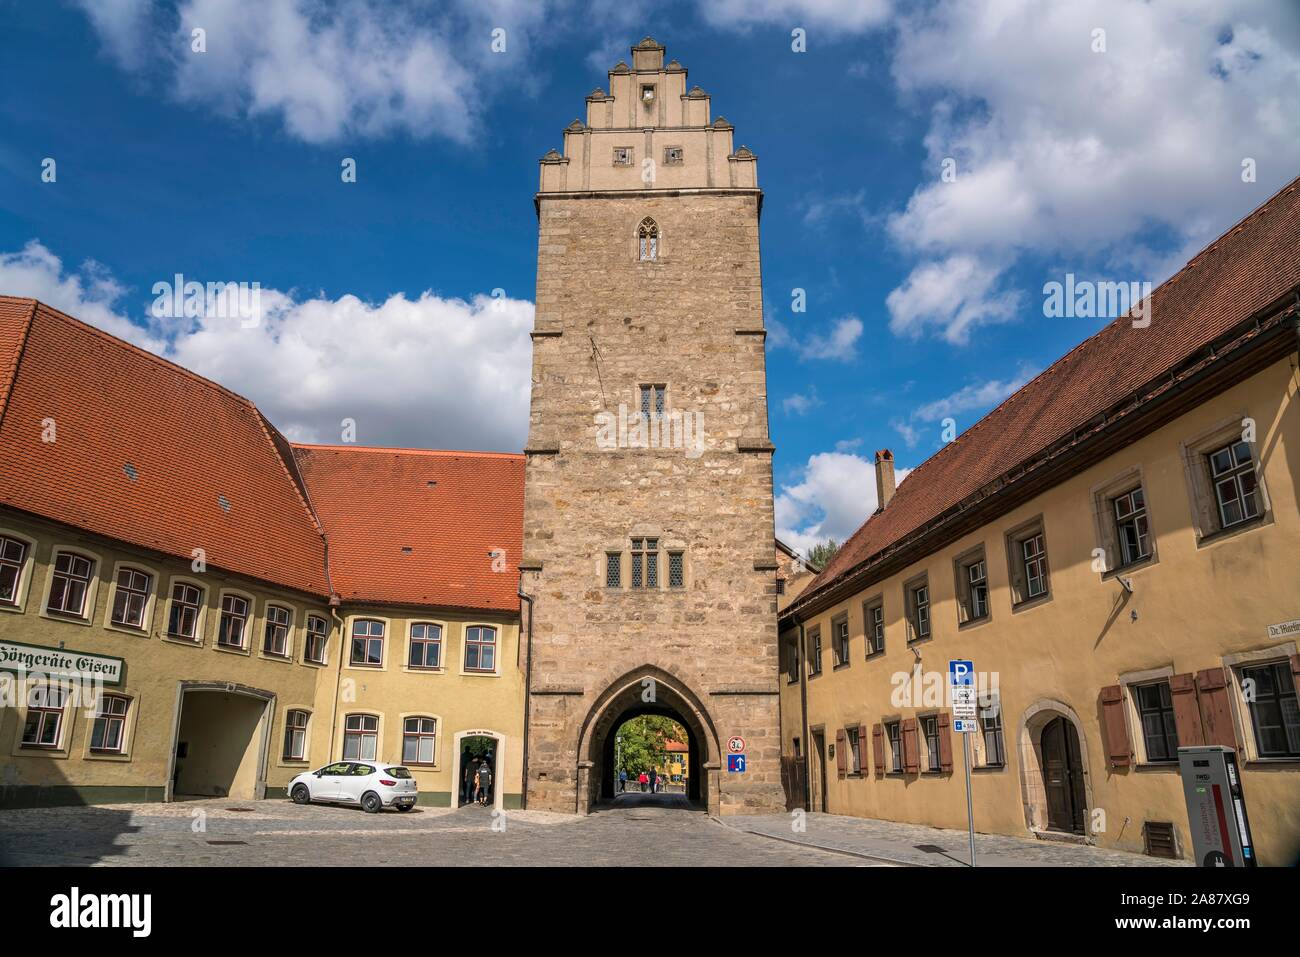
column 370, row 802
column 301, row 795
column 405, row 807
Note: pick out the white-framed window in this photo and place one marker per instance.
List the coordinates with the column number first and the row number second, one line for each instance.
column 1232, row 472
column 419, row 740
column 295, row 734
column 318, row 631
column 647, row 235
column 995, row 751
column 186, row 609
column 873, row 615
column 131, row 597
column 930, row 728
column 853, row 740
column 275, row 636
column 108, row 729
column 840, row 640
column 1272, row 705
column 972, row 586
column 623, row 155
column 918, row 610
column 426, row 646
column 480, row 648
column 43, row 726
column 367, row 643
column 1027, row 562
column 1131, row 528
column 13, row 558
column 234, row 621
column 70, row 584
column 360, row 737
column 894, row 731
column 1035, row 559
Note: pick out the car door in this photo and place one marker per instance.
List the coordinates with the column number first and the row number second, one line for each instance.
column 330, row 783
column 356, row 783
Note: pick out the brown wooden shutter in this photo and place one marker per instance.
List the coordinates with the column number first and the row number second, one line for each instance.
column 1114, row 727
column 1187, row 710
column 911, row 754
column 878, row 748
column 841, row 740
column 945, row 742
column 1295, row 670
column 863, row 766
column 1216, row 710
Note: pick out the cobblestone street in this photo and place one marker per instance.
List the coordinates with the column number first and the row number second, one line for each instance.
column 638, row 830
column 635, row 830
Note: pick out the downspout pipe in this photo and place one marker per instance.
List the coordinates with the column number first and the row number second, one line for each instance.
column 528, row 686
column 803, row 707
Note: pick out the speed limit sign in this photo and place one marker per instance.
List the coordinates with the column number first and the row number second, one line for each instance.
column 736, row 745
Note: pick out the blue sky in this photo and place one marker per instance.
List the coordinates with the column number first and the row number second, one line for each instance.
column 924, row 296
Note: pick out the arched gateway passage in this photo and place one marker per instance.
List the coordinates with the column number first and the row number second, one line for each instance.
column 646, row 690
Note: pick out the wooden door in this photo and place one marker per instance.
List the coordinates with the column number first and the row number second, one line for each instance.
column 1062, row 776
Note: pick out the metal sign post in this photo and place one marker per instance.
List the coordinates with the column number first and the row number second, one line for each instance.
column 961, row 686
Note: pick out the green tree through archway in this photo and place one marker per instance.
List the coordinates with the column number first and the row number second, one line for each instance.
column 643, row 744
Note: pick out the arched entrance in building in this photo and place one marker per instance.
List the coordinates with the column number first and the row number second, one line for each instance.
column 220, row 737
column 1053, row 763
column 480, row 745
column 642, row 691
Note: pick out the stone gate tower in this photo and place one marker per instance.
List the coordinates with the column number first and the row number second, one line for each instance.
column 648, row 528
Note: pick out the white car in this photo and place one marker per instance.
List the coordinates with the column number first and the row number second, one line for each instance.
column 372, row 784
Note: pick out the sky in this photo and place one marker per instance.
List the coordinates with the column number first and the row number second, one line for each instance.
column 929, row 169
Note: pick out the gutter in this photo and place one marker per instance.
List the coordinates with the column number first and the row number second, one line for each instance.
column 1026, row 479
column 528, row 689
column 803, row 707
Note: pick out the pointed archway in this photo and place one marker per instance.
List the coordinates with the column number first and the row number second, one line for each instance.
column 646, row 690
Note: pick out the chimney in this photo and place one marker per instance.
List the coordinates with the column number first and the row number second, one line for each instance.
column 884, row 478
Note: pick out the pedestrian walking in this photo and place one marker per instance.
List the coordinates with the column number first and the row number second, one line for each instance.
column 484, row 783
column 622, row 780
column 643, row 780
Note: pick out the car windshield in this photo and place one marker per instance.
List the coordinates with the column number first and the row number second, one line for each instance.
column 398, row 772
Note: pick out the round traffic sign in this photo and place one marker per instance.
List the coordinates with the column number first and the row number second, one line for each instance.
column 736, row 745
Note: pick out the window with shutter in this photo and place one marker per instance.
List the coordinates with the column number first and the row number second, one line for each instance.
column 878, row 748
column 1187, row 710
column 945, row 742
column 841, row 758
column 1114, row 727
column 911, row 748
column 1216, row 710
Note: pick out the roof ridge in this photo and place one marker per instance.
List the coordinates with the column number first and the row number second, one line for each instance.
column 295, row 480
column 144, row 353
column 403, row 451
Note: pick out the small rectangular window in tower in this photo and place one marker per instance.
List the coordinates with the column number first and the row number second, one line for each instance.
column 622, row 156
column 652, row 563
column 676, row 570
column 638, row 562
column 673, row 156
column 654, row 398
column 613, row 570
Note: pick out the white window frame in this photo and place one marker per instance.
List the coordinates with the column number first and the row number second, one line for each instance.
column 200, row 617
column 23, row 581
column 92, row 589
column 145, row 627
column 250, row 622
column 497, row 647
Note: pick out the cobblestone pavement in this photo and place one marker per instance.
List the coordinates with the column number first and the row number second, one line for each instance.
column 934, row 847
column 637, row 829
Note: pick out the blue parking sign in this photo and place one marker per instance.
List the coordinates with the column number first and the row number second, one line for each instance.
column 735, row 762
column 961, row 674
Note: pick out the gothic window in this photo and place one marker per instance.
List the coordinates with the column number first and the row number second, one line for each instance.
column 648, row 239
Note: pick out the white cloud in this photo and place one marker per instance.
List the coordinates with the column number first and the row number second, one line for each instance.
column 424, row 372
column 799, row 404
column 839, row 343
column 836, row 494
column 328, row 69
column 978, row 396
column 954, row 296
column 1060, row 149
column 848, row 15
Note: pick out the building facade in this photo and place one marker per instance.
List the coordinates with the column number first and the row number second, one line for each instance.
column 648, row 553
column 1114, row 548
column 190, row 605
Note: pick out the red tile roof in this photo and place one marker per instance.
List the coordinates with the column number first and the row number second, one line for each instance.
column 1250, row 267
column 150, row 454
column 376, row 503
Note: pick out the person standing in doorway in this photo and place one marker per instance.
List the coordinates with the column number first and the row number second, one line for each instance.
column 466, row 775
column 484, row 783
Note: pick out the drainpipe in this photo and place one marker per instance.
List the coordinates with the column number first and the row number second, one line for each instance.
column 803, row 705
column 338, row 674
column 528, row 688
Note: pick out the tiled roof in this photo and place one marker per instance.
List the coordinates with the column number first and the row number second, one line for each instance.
column 419, row 527
column 1250, row 267
column 150, row 454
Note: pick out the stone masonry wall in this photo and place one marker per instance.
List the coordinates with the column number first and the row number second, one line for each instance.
column 605, row 324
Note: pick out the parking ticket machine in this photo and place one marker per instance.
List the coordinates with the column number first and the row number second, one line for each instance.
column 1216, row 809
